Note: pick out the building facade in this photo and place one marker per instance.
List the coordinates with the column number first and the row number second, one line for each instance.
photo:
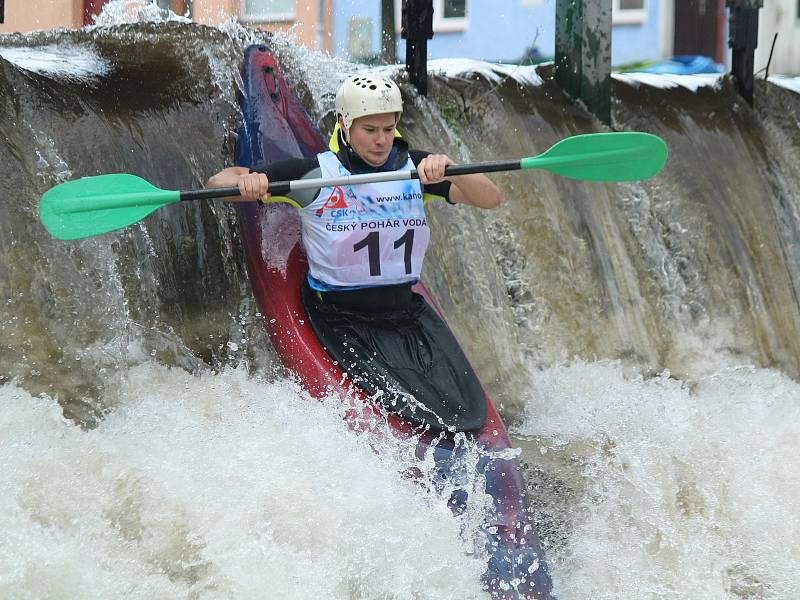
column 781, row 17
column 494, row 30
column 481, row 29
column 30, row 15
column 310, row 20
column 499, row 30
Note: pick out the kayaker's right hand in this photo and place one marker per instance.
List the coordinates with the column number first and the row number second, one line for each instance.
column 253, row 186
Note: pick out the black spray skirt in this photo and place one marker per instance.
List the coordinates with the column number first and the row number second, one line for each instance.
column 405, row 358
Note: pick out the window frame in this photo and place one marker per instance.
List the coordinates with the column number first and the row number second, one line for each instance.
column 441, row 24
column 628, row 16
column 267, row 18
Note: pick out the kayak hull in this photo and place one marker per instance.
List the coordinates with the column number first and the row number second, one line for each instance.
column 275, row 127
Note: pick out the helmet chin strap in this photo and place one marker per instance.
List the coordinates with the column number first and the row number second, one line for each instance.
column 345, row 132
column 346, row 150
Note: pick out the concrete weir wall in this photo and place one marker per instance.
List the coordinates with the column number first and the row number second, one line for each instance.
column 695, row 267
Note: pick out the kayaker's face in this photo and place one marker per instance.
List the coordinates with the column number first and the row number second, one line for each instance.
column 372, row 137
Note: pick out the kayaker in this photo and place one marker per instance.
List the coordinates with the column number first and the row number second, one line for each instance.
column 337, row 221
column 365, row 246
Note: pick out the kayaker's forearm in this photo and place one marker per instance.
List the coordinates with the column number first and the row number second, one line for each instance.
column 475, row 190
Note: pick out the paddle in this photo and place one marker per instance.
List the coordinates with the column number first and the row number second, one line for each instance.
column 95, row 205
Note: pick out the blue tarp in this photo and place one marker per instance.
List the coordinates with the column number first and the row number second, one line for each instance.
column 685, row 65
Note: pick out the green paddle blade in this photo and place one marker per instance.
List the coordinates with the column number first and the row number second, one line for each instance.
column 622, row 156
column 95, row 205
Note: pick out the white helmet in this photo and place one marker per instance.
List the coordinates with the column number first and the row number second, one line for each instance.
column 362, row 95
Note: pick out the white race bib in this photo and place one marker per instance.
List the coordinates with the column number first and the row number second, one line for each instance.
column 365, row 235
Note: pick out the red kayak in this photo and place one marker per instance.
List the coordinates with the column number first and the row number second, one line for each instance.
column 276, row 127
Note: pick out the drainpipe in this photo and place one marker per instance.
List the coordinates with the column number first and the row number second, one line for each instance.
column 743, row 40
column 417, row 29
column 583, row 53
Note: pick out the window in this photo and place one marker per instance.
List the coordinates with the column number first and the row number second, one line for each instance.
column 454, row 9
column 628, row 11
column 268, row 10
column 448, row 15
column 359, row 38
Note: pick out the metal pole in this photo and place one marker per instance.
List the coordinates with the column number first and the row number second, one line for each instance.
column 388, row 44
column 743, row 41
column 417, row 29
column 583, row 53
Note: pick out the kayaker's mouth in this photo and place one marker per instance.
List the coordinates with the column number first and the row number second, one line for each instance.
column 377, row 158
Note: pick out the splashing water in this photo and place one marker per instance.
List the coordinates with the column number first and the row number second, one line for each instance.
column 667, row 489
column 225, row 485
column 219, row 486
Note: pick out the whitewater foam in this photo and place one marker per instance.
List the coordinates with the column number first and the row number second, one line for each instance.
column 667, row 81
column 68, row 61
column 669, row 489
column 219, row 485
column 788, row 82
column 460, row 68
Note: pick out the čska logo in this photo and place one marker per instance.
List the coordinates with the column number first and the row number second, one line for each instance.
column 335, row 200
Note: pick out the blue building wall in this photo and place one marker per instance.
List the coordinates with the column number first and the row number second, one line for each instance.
column 345, row 11
column 498, row 30
column 637, row 42
column 501, row 30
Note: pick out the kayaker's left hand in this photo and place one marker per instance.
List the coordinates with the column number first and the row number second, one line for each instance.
column 431, row 168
